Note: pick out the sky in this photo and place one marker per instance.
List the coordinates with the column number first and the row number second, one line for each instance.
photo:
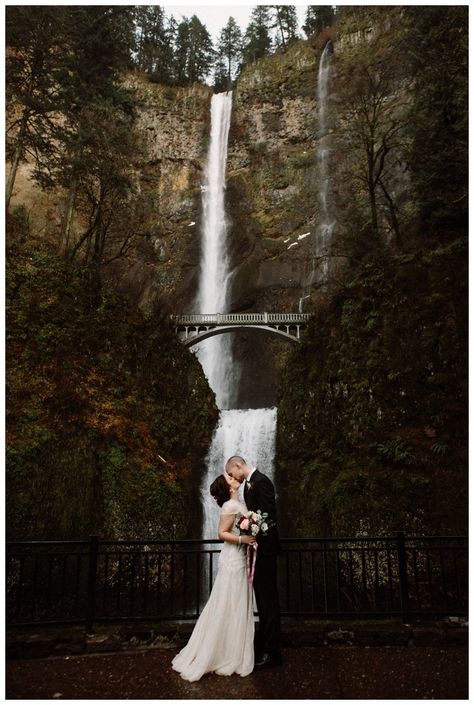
column 215, row 16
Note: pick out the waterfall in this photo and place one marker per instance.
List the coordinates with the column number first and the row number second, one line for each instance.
column 326, row 225
column 215, row 354
column 323, row 235
column 249, row 433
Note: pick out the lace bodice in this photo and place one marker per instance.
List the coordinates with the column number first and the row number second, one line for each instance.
column 232, row 556
column 233, row 506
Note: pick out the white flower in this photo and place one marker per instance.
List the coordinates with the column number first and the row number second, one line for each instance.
column 254, row 529
column 264, row 527
column 254, row 516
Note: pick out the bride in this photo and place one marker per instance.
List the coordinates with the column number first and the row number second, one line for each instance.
column 222, row 639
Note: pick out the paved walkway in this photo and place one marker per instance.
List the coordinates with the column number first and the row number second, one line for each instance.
column 345, row 672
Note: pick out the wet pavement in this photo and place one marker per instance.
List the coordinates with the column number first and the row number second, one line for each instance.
column 335, row 672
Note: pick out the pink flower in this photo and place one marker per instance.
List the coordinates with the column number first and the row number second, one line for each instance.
column 244, row 524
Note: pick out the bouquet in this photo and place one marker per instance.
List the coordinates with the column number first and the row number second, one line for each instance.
column 252, row 524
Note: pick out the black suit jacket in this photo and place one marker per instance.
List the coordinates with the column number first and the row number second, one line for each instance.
column 261, row 495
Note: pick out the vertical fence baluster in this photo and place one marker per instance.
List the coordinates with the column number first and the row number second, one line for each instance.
column 158, row 585
column 376, row 578
column 402, row 570
column 105, row 583
column 389, row 573
column 456, row 575
column 198, row 581
column 133, row 575
column 172, row 576
column 77, row 583
column 428, row 569
column 185, row 580
column 211, row 570
column 351, row 576
column 416, row 578
column 34, row 586
column 300, row 580
column 338, row 582
column 145, row 586
column 49, row 588
column 19, row 591
column 443, row 578
column 63, row 582
column 325, row 577
column 364, row 576
column 92, row 581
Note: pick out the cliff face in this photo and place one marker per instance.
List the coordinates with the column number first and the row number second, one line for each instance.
column 270, row 199
column 174, row 126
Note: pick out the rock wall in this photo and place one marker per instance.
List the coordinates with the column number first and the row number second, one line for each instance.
column 270, row 199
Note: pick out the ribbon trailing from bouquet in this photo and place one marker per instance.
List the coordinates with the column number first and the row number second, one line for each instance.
column 251, row 563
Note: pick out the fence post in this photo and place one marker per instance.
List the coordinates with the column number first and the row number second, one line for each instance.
column 91, row 581
column 402, row 571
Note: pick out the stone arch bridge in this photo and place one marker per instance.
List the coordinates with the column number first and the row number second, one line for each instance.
column 194, row 328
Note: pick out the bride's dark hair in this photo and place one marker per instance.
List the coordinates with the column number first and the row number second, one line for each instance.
column 220, row 490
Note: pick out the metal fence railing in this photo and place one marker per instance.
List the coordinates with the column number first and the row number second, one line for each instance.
column 193, row 319
column 72, row 582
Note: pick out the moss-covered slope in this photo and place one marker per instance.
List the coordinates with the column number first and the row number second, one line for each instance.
column 109, row 416
column 372, row 428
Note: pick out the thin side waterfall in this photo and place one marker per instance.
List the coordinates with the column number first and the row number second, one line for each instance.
column 246, row 432
column 323, row 236
column 327, row 223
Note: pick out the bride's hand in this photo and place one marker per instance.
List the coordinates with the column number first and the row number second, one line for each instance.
column 250, row 540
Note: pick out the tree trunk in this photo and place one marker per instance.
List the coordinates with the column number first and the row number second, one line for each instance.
column 16, row 158
column 393, row 215
column 281, row 28
column 71, row 202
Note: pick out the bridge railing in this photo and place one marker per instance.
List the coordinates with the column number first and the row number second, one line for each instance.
column 68, row 582
column 239, row 318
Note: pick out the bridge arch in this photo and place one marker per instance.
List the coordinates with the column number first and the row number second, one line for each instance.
column 193, row 328
column 205, row 334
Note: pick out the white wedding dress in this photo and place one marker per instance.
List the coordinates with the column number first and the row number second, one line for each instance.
column 222, row 639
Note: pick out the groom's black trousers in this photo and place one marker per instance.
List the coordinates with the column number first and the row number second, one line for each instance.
column 267, row 638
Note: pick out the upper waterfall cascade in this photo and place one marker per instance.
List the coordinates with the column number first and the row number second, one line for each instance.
column 215, row 355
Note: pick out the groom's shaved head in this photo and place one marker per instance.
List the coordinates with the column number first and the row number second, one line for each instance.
column 234, row 460
column 237, row 468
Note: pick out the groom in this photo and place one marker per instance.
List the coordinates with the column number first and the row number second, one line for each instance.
column 259, row 493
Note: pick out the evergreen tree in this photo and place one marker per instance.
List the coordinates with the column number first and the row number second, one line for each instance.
column 99, row 44
column 229, row 50
column 201, row 55
column 181, row 52
column 317, row 18
column 194, row 53
column 257, row 41
column 151, row 35
column 35, row 47
column 155, row 42
column 286, row 24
